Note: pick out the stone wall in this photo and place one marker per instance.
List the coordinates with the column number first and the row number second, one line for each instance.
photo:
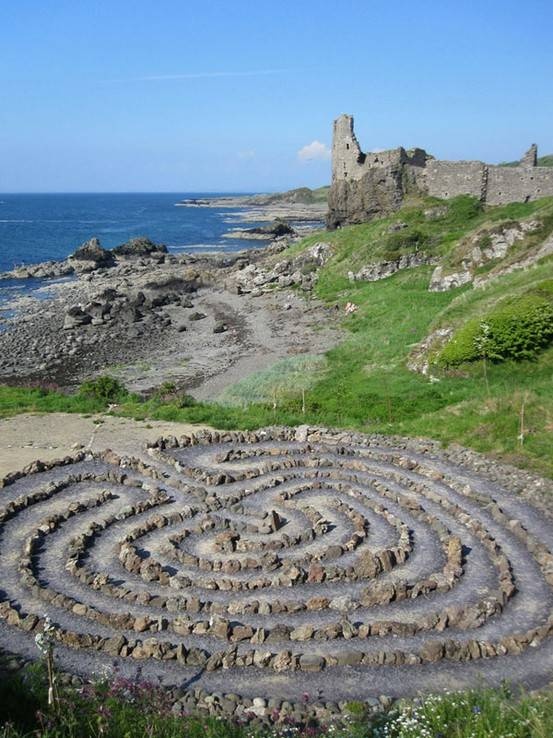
column 367, row 185
column 451, row 178
column 518, row 184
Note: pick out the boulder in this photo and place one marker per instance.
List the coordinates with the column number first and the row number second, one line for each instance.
column 140, row 246
column 90, row 256
column 76, row 317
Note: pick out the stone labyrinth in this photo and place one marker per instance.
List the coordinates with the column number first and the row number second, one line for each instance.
column 253, row 571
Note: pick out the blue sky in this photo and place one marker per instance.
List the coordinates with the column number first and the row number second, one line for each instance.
column 221, row 96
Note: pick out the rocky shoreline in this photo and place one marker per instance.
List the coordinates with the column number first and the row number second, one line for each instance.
column 148, row 316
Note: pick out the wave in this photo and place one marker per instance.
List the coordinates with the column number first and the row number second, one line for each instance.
column 200, row 246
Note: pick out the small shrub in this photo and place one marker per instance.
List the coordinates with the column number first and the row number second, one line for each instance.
column 408, row 240
column 103, row 389
column 485, row 241
column 518, row 328
column 169, row 394
column 464, row 208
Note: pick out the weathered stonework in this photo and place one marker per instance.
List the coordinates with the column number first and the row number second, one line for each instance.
column 368, row 185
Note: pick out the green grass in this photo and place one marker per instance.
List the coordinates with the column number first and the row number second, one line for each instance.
column 293, row 373
column 356, row 246
column 15, row 400
column 123, row 709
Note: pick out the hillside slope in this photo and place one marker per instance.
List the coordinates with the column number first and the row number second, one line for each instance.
column 504, row 408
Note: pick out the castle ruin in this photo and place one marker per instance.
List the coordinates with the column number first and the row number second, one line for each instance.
column 367, row 185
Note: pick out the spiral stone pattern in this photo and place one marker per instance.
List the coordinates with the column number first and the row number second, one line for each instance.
column 249, row 568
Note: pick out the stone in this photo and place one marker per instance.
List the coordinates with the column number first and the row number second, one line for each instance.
column 349, row 658
column 75, row 317
column 311, row 662
column 432, row 651
column 282, row 661
column 302, row 633
column 241, row 633
column 141, row 624
column 140, row 246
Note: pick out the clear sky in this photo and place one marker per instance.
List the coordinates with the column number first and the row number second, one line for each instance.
column 207, row 95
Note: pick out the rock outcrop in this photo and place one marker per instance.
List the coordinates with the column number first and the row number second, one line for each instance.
column 140, row 246
column 383, row 269
column 91, row 255
column 481, row 248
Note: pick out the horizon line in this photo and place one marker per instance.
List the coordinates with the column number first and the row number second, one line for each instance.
column 199, row 75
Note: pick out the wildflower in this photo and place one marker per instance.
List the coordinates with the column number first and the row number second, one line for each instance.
column 45, row 640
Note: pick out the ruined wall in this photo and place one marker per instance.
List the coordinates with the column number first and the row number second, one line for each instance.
column 518, row 184
column 451, row 178
column 368, row 185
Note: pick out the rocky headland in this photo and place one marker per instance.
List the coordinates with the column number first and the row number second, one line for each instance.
column 299, row 207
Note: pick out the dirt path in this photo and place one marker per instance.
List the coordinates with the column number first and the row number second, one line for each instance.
column 25, row 438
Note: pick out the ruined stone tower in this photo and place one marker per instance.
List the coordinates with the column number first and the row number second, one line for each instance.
column 368, row 185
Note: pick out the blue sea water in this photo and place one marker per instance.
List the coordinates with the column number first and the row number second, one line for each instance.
column 35, row 228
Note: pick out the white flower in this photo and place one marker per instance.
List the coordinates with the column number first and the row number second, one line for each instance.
column 45, row 640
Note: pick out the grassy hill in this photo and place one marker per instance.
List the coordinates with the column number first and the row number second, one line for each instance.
column 301, row 195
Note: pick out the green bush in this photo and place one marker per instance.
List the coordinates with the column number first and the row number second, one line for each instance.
column 104, row 389
column 411, row 239
column 518, row 328
column 169, row 394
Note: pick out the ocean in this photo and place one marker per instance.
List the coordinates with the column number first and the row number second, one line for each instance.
column 35, row 228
